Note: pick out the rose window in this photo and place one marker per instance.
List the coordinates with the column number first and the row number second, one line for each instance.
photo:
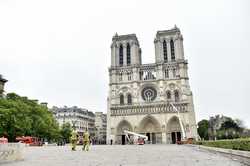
column 149, row 93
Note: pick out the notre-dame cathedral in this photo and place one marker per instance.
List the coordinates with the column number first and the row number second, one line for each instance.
column 141, row 95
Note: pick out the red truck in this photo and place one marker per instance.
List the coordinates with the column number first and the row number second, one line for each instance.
column 32, row 141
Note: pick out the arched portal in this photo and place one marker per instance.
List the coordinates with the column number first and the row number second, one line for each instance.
column 174, row 130
column 120, row 136
column 150, row 127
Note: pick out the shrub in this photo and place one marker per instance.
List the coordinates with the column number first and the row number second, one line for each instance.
column 236, row 144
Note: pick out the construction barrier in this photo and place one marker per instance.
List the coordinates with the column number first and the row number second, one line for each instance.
column 11, row 152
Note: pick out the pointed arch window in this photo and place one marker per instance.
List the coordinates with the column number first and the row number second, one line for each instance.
column 176, row 96
column 121, row 55
column 129, row 99
column 165, row 52
column 168, row 95
column 121, row 99
column 174, row 73
column 120, row 76
column 129, row 76
column 128, row 54
column 166, row 73
column 172, row 50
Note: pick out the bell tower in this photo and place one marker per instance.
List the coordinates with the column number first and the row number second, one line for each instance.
column 125, row 51
column 169, row 46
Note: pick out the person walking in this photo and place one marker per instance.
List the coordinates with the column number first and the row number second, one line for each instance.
column 73, row 140
column 86, row 141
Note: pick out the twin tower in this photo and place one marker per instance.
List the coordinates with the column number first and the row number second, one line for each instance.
column 140, row 94
column 126, row 51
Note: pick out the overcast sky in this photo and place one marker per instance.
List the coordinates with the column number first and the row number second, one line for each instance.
column 58, row 51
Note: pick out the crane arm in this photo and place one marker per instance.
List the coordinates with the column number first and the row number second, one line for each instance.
column 178, row 114
column 135, row 134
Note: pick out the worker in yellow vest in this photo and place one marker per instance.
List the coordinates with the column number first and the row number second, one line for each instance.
column 73, row 140
column 86, row 141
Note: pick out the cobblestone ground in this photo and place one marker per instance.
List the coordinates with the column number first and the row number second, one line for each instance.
column 128, row 155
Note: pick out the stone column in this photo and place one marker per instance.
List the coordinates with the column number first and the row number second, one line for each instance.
column 160, row 47
column 157, row 51
column 181, row 70
column 168, row 50
column 117, row 56
column 164, row 138
column 108, row 136
column 113, row 54
column 135, row 76
column 181, row 48
column 170, row 73
column 135, row 53
column 176, row 49
column 159, row 73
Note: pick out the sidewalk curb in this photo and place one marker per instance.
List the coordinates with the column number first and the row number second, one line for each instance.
column 239, row 153
column 243, row 155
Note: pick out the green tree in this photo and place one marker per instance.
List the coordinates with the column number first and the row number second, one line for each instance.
column 66, row 131
column 230, row 124
column 229, row 129
column 203, row 129
column 20, row 116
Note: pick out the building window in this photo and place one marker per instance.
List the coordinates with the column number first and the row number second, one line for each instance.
column 165, row 53
column 168, row 95
column 121, row 55
column 149, row 94
column 121, row 99
column 128, row 55
column 129, row 76
column 172, row 50
column 129, row 99
column 174, row 73
column 141, row 75
column 166, row 73
column 176, row 96
column 120, row 76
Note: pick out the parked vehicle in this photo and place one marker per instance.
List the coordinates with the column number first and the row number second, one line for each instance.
column 32, row 141
column 3, row 140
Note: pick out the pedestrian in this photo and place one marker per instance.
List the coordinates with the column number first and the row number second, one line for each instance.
column 111, row 142
column 73, row 140
column 86, row 141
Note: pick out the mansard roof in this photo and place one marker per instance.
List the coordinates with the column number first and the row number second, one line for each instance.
column 72, row 109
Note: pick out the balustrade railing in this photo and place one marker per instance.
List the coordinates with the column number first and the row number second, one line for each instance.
column 147, row 109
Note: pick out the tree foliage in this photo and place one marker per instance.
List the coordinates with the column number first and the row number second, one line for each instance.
column 66, row 131
column 20, row 116
column 229, row 129
column 203, row 129
column 220, row 128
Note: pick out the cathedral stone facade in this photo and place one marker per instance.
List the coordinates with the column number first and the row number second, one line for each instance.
column 141, row 95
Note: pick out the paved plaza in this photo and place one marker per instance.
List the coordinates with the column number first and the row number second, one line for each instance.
column 127, row 155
